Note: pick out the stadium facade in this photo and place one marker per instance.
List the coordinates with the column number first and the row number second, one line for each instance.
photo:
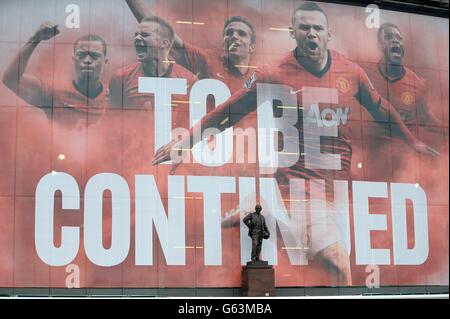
column 136, row 135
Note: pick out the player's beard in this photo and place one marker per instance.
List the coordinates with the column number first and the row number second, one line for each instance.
column 85, row 76
column 89, row 78
column 88, row 82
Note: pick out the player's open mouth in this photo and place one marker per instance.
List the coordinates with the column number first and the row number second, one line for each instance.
column 86, row 69
column 233, row 46
column 396, row 51
column 312, row 46
column 141, row 50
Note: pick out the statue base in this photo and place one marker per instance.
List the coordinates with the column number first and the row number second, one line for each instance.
column 258, row 279
column 259, row 264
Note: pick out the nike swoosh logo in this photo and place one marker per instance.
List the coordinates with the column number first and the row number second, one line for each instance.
column 295, row 92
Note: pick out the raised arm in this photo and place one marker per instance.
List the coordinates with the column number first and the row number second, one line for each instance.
column 238, row 105
column 26, row 86
column 383, row 111
column 140, row 12
column 428, row 118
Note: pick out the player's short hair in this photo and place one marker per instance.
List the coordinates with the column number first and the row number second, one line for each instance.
column 243, row 20
column 165, row 28
column 308, row 6
column 92, row 37
column 384, row 27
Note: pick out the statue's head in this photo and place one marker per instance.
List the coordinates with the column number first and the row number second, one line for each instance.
column 258, row 208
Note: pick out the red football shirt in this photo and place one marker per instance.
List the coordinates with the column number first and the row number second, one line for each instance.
column 70, row 107
column 123, row 86
column 407, row 94
column 138, row 118
column 123, row 91
column 341, row 76
column 213, row 64
column 210, row 64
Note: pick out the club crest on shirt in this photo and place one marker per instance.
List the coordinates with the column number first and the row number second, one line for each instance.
column 342, row 85
column 407, row 98
column 248, row 84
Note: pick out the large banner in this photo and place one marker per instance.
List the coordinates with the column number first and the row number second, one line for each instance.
column 137, row 135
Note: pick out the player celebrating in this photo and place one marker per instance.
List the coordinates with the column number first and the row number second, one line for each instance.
column 239, row 42
column 81, row 94
column 407, row 92
column 232, row 67
column 311, row 64
column 405, row 89
column 153, row 40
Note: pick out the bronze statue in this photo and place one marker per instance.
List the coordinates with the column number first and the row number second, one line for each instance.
column 257, row 230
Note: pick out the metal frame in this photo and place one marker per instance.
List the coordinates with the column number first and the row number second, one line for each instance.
column 438, row 8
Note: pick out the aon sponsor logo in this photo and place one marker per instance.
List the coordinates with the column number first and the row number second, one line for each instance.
column 326, row 117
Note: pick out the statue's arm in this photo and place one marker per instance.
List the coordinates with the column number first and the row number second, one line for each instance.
column 265, row 227
column 247, row 221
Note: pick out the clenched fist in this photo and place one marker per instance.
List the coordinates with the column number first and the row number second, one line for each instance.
column 46, row 31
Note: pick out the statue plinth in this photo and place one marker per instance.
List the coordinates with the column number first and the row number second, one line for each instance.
column 258, row 279
column 259, row 264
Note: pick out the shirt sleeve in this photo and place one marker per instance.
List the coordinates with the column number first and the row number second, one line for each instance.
column 381, row 110
column 116, row 90
column 241, row 103
column 194, row 59
column 366, row 95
